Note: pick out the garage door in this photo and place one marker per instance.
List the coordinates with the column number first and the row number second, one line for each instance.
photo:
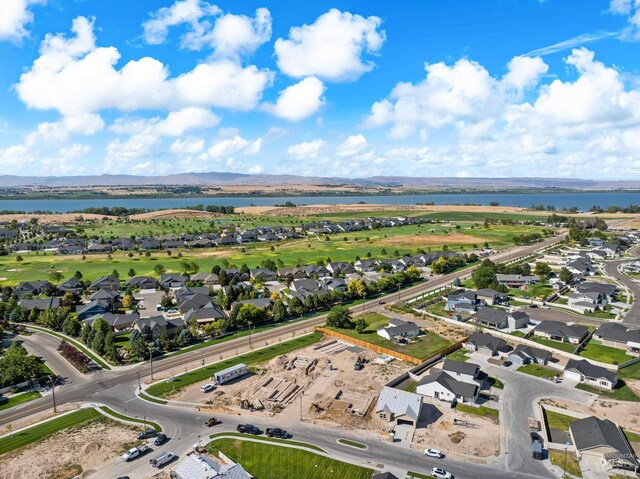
column 405, row 422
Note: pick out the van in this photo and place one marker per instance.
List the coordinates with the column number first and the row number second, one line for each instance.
column 162, row 460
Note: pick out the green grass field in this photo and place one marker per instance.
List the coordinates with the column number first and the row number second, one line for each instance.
column 164, row 388
column 46, row 429
column 459, row 355
column 538, row 370
column 556, row 420
column 266, row 461
column 380, row 243
column 606, row 354
column 621, row 392
column 20, row 399
column 566, row 347
column 427, row 345
column 540, row 291
column 123, row 417
column 267, row 439
column 559, row 458
column 483, row 411
column 630, row 372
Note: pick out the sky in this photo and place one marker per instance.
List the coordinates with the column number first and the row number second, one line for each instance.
column 471, row 88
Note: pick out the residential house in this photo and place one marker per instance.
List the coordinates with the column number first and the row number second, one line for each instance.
column 265, row 303
column 601, row 442
column 118, row 322
column 208, row 314
column 594, row 241
column 112, row 297
column 501, row 319
column 606, row 290
column 466, row 301
column 158, row 325
column 173, row 280
column 586, row 373
column 441, row 385
column 195, row 466
column 264, row 274
column 365, row 265
column 619, row 336
column 399, row 329
column 208, row 279
column 517, row 280
column 105, row 282
column 39, row 304
column 401, row 407
column 72, row 285
column 484, row 343
column 142, row 282
column 587, row 302
column 34, row 288
column 98, row 307
column 491, row 297
column 529, row 355
column 562, row 332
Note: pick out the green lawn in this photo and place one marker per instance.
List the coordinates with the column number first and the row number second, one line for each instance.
column 495, row 383
column 479, row 411
column 427, row 345
column 20, row 399
column 556, row 420
column 459, row 355
column 266, row 461
column 630, row 372
column 113, row 413
column 540, row 291
column 632, row 436
column 46, row 429
column 538, row 371
column 566, row 347
column 606, row 354
column 348, row 442
column 267, row 439
column 621, row 392
column 559, row 458
column 265, row 354
column 411, row 387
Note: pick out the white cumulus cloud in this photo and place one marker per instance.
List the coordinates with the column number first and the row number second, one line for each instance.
column 332, row 47
column 306, row 149
column 298, row 101
column 15, row 15
column 352, row 146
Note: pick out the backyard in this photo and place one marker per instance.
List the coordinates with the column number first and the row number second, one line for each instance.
column 427, row 345
column 566, row 461
column 538, row 370
column 598, row 352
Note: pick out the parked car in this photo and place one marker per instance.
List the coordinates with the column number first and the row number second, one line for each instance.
column 160, row 439
column 381, row 302
column 135, row 452
column 147, row 433
column 248, row 429
column 441, row 473
column 277, row 432
column 506, row 364
column 433, row 453
column 207, row 388
column 162, row 460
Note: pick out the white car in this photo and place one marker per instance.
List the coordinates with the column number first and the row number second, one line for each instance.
column 433, row 453
column 441, row 473
column 207, row 388
column 131, row 454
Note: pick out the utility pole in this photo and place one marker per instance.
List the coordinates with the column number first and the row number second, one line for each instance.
column 301, row 394
column 250, row 345
column 151, row 362
column 139, row 387
column 398, row 293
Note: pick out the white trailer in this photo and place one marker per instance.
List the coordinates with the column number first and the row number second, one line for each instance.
column 230, row 373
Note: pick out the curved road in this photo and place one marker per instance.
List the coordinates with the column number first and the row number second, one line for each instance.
column 632, row 318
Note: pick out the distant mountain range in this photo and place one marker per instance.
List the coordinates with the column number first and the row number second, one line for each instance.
column 220, row 178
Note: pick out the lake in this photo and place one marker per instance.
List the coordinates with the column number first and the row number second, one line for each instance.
column 582, row 201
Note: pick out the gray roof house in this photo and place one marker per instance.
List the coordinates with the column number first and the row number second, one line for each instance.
column 442, row 385
column 586, row 373
column 527, row 354
column 399, row 406
column 619, row 336
column 602, row 441
column 105, row 282
column 501, row 319
column 399, row 328
column 562, row 332
column 485, row 343
column 40, row 304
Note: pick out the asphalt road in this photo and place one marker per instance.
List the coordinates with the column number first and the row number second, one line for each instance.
column 116, row 389
column 632, row 318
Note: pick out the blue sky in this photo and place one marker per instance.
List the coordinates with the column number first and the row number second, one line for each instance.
column 343, row 88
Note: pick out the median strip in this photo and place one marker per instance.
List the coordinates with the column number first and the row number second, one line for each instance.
column 284, row 442
column 116, row 415
column 349, row 443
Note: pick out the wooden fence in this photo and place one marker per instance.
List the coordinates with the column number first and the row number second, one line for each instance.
column 388, row 352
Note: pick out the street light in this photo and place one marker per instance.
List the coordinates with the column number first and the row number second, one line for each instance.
column 250, row 345
column 566, row 447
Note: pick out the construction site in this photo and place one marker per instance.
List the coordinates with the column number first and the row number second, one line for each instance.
column 333, row 381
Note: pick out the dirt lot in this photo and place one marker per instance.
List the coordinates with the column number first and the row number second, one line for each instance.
column 69, row 453
column 421, row 240
column 341, row 394
column 457, row 441
column 67, row 218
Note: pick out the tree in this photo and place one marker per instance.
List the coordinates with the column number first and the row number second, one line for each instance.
column 131, row 273
column 340, row 317
column 360, row 325
column 484, row 276
column 72, row 327
column 138, row 348
column 566, row 276
column 115, row 273
column 543, row 270
column 357, row 287
column 296, row 308
column 166, row 301
column 279, row 311
column 77, row 275
column 127, row 301
column 16, row 365
column 84, row 334
column 55, row 277
column 158, row 269
column 185, row 338
column 110, row 348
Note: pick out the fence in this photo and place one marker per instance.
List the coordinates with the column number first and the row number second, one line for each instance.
column 388, row 352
